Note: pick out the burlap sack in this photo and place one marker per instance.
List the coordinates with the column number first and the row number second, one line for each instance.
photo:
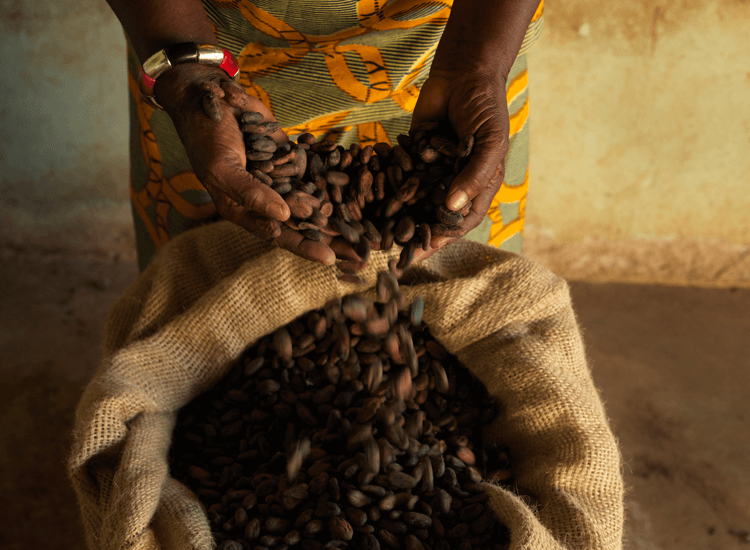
column 214, row 291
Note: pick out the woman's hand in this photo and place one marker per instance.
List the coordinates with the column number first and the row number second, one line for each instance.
column 205, row 106
column 474, row 103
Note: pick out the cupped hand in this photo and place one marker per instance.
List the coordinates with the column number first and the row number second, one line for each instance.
column 205, row 106
column 473, row 103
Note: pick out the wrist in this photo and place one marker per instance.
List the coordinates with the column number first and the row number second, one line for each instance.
column 484, row 37
column 465, row 57
column 187, row 53
column 178, row 90
column 477, row 76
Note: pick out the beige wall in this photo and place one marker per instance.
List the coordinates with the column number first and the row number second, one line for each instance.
column 641, row 120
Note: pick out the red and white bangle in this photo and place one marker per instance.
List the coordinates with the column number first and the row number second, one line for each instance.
column 188, row 52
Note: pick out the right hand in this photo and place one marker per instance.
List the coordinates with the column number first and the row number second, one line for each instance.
column 216, row 151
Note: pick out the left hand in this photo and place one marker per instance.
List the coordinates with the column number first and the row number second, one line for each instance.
column 474, row 103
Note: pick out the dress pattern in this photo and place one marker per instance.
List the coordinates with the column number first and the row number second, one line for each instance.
column 345, row 70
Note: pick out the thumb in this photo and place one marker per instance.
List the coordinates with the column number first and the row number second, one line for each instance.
column 485, row 170
column 254, row 195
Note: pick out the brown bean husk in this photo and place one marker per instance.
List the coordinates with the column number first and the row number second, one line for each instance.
column 214, row 291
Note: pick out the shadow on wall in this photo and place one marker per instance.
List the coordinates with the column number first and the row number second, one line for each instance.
column 64, row 125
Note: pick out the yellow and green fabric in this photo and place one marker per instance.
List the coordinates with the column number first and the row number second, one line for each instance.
column 345, row 69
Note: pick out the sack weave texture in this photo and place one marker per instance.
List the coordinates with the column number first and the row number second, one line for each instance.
column 214, row 291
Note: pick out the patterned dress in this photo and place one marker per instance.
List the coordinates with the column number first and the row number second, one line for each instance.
column 345, row 69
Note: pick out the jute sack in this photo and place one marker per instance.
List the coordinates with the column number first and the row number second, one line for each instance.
column 214, row 291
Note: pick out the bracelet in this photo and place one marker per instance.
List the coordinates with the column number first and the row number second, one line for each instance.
column 188, row 52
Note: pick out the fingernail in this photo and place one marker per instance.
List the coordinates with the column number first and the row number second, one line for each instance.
column 276, row 211
column 458, row 200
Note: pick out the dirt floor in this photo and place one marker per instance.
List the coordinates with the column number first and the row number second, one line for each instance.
column 672, row 364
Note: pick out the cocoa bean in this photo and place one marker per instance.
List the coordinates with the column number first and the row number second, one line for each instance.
column 393, row 206
column 327, row 510
column 402, row 158
column 340, row 529
column 282, row 186
column 464, row 148
column 404, row 230
column 389, row 538
column 407, row 256
column 264, row 144
column 346, row 160
column 337, row 179
column 409, row 189
column 262, row 176
column 466, row 456
column 313, row 527
column 363, row 249
column 252, row 530
column 445, row 146
column 312, row 234
column 449, row 217
column 283, row 170
column 334, row 157
column 282, row 157
column 379, row 185
column 413, row 543
column 426, row 236
column 282, row 343
column 258, row 156
column 365, row 154
column 327, row 382
column 323, row 146
column 429, row 154
column 277, row 525
column 251, row 117
column 265, row 166
column 355, row 212
column 344, row 229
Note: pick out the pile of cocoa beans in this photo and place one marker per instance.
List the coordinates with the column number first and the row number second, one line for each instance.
column 351, row 427
column 371, row 196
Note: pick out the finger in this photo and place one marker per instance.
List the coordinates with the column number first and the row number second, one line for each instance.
column 234, row 94
column 439, row 241
column 279, row 136
column 305, row 248
column 344, row 250
column 483, row 173
column 351, row 267
column 477, row 213
column 421, row 254
column 228, row 209
column 211, row 87
column 478, row 210
column 263, row 227
column 254, row 195
column 212, row 106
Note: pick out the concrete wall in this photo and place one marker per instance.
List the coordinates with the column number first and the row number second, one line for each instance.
column 641, row 120
column 640, row 125
column 63, row 125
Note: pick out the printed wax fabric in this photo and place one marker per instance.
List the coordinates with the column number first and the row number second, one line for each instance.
column 344, row 69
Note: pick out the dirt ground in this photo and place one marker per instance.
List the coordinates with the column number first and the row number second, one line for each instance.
column 672, row 365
